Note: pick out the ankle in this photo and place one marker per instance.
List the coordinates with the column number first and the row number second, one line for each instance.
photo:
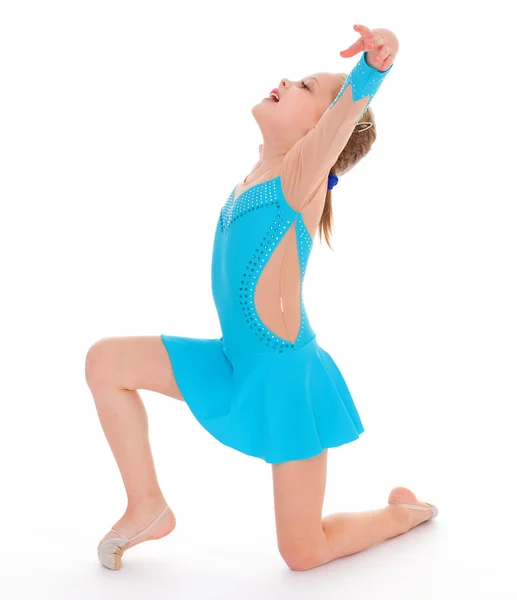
column 145, row 504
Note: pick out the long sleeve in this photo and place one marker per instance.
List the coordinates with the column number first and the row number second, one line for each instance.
column 312, row 157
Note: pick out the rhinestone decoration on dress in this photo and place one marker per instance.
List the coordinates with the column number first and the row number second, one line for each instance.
column 259, row 197
column 252, row 199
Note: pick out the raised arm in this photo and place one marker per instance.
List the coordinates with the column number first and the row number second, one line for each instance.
column 311, row 158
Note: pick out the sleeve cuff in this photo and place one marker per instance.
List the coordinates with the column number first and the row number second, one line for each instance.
column 366, row 80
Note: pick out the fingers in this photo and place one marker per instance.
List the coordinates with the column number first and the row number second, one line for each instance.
column 353, row 49
column 381, row 54
column 375, row 42
column 385, row 65
column 374, row 45
column 367, row 41
column 383, row 58
column 364, row 31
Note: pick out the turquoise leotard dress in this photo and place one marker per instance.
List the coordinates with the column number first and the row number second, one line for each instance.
column 252, row 390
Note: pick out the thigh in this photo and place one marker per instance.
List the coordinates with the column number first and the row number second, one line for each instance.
column 299, row 490
column 132, row 363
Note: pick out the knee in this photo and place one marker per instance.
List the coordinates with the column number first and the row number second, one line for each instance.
column 300, row 557
column 96, row 367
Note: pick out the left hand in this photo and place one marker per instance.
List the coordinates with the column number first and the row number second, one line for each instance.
column 381, row 46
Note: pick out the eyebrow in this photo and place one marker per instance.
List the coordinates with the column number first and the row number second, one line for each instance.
column 315, row 80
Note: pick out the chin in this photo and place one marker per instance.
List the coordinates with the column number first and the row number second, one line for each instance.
column 257, row 111
column 261, row 113
column 258, row 107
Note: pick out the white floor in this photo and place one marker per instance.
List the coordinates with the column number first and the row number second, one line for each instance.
column 224, row 545
column 435, row 561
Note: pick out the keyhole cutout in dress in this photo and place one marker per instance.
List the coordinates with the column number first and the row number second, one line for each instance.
column 277, row 292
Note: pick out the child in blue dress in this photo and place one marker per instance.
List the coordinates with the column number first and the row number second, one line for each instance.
column 265, row 387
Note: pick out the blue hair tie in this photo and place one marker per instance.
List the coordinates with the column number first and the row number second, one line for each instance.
column 333, row 179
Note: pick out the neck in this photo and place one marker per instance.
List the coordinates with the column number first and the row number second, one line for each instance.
column 270, row 155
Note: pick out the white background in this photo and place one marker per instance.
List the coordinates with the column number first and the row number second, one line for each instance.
column 124, row 126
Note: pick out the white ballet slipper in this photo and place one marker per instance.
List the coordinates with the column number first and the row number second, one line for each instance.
column 434, row 509
column 110, row 550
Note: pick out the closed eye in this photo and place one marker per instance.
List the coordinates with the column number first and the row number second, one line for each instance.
column 305, row 86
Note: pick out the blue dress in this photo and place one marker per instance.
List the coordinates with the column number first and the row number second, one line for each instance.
column 261, row 394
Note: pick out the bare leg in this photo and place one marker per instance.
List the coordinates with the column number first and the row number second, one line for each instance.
column 305, row 540
column 115, row 368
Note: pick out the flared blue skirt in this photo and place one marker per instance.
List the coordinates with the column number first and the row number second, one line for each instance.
column 276, row 409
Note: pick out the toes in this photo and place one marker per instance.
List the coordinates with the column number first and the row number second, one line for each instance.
column 401, row 495
column 110, row 552
column 432, row 509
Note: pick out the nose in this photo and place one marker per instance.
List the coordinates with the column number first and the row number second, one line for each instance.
column 283, row 82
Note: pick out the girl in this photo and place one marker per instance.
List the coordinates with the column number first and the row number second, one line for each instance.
column 265, row 387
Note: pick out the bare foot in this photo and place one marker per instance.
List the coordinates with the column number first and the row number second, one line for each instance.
column 402, row 495
column 136, row 520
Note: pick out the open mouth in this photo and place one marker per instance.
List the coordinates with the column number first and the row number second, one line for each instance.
column 274, row 95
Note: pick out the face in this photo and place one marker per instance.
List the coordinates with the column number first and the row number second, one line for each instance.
column 300, row 107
